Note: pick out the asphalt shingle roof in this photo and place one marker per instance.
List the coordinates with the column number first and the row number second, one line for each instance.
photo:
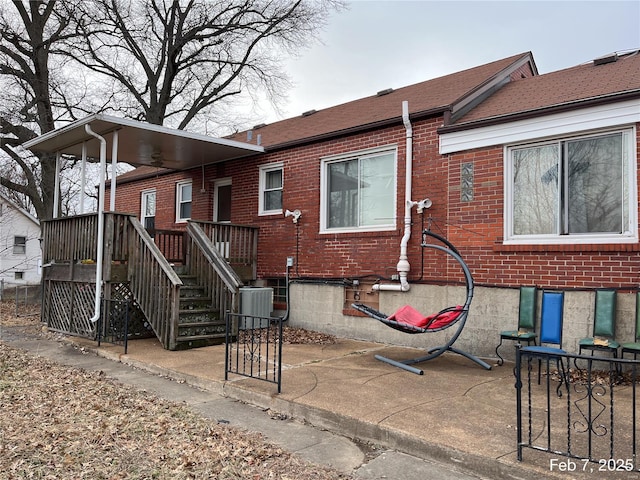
column 583, row 82
column 434, row 95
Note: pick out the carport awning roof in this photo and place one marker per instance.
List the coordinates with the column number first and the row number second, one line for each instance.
column 141, row 143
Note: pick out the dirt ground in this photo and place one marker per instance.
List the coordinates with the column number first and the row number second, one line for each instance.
column 63, row 423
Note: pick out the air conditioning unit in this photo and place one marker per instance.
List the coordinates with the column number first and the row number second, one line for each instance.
column 256, row 305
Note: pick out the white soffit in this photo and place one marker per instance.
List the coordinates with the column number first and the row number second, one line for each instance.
column 141, row 143
column 578, row 120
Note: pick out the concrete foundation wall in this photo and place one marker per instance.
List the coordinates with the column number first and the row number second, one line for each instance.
column 319, row 307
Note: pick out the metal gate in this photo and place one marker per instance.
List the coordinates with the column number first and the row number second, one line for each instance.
column 255, row 350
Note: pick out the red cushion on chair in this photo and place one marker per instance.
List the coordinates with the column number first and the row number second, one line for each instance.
column 444, row 319
column 409, row 316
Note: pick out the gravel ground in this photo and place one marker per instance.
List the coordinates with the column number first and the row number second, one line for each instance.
column 63, row 423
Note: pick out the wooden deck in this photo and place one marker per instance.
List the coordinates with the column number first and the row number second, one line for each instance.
column 141, row 268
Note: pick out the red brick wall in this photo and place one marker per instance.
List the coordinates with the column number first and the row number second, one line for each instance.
column 475, row 227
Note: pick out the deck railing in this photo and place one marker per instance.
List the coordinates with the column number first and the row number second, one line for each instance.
column 238, row 245
column 206, row 262
column 70, row 238
column 172, row 244
column 154, row 284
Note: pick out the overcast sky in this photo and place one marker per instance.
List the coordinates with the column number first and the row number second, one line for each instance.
column 382, row 44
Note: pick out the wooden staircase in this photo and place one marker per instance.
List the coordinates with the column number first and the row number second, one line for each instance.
column 184, row 308
column 199, row 324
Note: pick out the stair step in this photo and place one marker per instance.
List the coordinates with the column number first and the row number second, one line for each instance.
column 191, row 311
column 180, row 269
column 201, row 324
column 189, row 303
column 189, row 280
column 194, row 341
column 201, row 329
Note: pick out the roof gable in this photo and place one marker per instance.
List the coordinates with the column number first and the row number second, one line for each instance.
column 19, row 209
column 568, row 88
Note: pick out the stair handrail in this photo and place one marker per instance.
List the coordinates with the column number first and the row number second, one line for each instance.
column 213, row 256
column 155, row 251
column 155, row 285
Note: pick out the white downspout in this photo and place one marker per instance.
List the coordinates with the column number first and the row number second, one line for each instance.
column 403, row 265
column 56, row 188
column 100, row 238
column 83, row 176
column 114, row 163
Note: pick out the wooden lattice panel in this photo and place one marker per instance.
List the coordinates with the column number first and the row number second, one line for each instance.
column 139, row 327
column 58, row 305
column 69, row 307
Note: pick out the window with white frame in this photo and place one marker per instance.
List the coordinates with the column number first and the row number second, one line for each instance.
column 572, row 190
column 271, row 185
column 358, row 191
column 19, row 245
column 183, row 201
column 148, row 209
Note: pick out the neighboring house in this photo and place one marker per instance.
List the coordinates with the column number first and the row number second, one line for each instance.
column 20, row 255
column 533, row 177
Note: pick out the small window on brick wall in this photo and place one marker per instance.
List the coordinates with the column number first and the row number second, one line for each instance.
column 183, row 201
column 271, row 186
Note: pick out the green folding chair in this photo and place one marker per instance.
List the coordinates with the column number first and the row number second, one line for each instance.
column 604, row 325
column 526, row 331
column 634, row 347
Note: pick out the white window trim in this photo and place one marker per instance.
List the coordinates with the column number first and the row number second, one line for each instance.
column 626, row 237
column 221, row 182
column 610, row 115
column 143, row 203
column 324, row 161
column 264, row 169
column 179, row 199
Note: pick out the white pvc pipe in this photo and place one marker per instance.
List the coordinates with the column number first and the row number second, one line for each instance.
column 56, row 187
column 100, row 239
column 403, row 267
column 83, row 176
column 114, row 161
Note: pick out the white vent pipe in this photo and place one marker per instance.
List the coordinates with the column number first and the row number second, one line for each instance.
column 100, row 239
column 403, row 265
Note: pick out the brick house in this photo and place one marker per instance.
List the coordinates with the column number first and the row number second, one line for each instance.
column 361, row 175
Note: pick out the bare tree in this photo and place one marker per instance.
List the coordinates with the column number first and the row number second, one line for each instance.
column 161, row 61
column 174, row 60
column 33, row 97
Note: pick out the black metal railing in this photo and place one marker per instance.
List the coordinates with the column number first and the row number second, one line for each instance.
column 578, row 411
column 254, row 347
column 113, row 324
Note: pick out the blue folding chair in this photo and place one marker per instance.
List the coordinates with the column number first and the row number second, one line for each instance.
column 551, row 318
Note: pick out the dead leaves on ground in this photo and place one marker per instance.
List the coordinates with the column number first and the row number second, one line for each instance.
column 60, row 422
